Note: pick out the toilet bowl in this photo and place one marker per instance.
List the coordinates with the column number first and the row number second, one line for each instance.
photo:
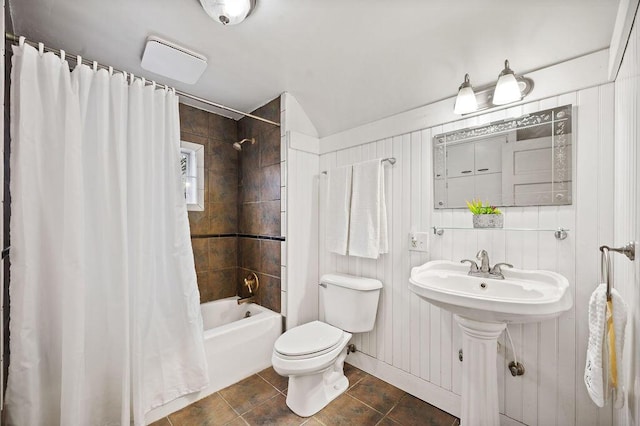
column 313, row 358
column 313, row 354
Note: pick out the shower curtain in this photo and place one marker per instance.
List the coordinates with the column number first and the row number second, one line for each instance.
column 105, row 317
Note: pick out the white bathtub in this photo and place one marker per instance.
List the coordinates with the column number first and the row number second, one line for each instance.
column 236, row 347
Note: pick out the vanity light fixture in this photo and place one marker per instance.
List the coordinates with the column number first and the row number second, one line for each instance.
column 228, row 12
column 509, row 88
column 466, row 100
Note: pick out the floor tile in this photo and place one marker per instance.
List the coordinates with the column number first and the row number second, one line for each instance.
column 273, row 412
column 412, row 411
column 162, row 422
column 209, row 411
column 346, row 410
column 276, row 380
column 376, row 393
column 354, row 374
column 248, row 393
column 312, row 421
column 387, row 422
column 238, row 421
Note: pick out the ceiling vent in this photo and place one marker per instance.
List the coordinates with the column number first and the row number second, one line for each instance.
column 170, row 60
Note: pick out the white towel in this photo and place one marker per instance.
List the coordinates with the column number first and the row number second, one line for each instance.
column 368, row 229
column 596, row 371
column 338, row 207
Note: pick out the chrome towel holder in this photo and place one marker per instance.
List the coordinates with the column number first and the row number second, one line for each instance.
column 605, row 262
column 390, row 160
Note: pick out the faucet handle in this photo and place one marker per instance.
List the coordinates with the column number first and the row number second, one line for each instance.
column 473, row 267
column 497, row 268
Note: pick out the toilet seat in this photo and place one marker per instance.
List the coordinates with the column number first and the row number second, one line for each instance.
column 308, row 340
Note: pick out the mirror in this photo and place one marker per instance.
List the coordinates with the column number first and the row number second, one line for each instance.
column 524, row 161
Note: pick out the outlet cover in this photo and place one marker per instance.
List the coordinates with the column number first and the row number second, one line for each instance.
column 419, row 241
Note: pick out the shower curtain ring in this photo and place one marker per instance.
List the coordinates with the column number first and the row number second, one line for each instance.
column 41, row 48
column 21, row 41
column 62, row 55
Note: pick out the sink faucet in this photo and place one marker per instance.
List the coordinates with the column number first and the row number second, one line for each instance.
column 483, row 258
column 485, row 270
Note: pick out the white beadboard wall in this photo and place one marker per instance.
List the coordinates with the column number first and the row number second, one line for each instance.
column 415, row 345
column 627, row 218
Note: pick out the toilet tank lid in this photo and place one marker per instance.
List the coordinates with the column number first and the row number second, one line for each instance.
column 351, row 281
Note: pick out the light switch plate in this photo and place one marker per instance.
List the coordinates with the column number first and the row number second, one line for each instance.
column 419, row 241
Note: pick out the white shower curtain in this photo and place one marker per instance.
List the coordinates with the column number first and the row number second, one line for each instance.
column 105, row 317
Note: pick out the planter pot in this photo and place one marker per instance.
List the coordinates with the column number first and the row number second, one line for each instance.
column 487, row 221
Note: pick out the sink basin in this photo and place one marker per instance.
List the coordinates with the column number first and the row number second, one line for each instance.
column 523, row 296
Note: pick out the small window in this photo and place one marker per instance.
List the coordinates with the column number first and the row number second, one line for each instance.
column 192, row 167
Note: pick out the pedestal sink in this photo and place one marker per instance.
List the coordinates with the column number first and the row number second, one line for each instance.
column 483, row 307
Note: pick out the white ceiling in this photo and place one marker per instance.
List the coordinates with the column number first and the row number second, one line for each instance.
column 347, row 62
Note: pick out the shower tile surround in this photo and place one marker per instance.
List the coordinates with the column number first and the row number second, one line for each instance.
column 238, row 231
column 259, row 204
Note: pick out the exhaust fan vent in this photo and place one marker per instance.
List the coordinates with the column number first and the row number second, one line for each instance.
column 170, row 60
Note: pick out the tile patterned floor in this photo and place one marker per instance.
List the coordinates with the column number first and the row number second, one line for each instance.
column 260, row 400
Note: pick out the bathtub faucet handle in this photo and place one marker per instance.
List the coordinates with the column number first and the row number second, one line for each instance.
column 252, row 282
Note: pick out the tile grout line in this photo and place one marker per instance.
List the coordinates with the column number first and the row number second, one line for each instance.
column 268, row 382
column 227, row 402
column 317, row 420
column 169, row 420
column 259, row 404
column 365, row 404
column 395, row 405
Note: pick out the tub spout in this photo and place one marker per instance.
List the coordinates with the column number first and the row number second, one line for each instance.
column 249, row 299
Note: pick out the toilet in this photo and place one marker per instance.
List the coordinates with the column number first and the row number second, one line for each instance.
column 313, row 354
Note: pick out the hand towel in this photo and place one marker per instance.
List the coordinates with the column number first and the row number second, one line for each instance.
column 368, row 229
column 619, row 324
column 594, row 370
column 605, row 346
column 337, row 209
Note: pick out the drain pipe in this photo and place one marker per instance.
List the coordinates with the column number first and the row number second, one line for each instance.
column 516, row 368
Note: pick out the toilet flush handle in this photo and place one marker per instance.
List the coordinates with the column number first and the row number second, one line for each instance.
column 323, row 285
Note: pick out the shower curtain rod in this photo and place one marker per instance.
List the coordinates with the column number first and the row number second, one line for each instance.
column 16, row 39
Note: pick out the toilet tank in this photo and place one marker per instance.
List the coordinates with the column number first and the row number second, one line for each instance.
column 350, row 302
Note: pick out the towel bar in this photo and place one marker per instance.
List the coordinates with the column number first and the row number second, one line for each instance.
column 390, row 160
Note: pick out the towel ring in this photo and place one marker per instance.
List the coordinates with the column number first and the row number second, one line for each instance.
column 605, row 262
column 605, row 269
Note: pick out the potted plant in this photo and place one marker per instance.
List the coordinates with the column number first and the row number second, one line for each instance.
column 485, row 215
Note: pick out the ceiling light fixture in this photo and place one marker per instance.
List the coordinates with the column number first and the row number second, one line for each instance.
column 466, row 100
column 509, row 88
column 228, row 12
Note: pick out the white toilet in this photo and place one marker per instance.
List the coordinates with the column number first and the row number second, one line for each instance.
column 313, row 354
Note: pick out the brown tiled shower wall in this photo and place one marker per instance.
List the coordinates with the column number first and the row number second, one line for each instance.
column 259, row 203
column 242, row 196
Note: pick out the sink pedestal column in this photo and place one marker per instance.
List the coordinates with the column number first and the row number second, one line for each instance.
column 479, row 373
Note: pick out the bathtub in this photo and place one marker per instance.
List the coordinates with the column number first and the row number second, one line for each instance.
column 236, row 346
